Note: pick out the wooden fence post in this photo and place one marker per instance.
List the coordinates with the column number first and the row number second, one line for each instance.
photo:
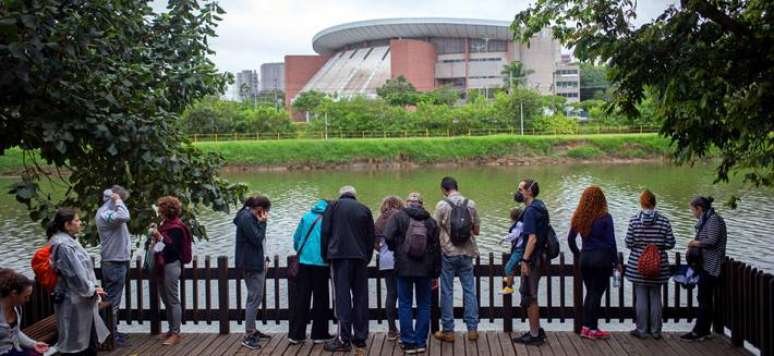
column 507, row 304
column 155, row 309
column 223, row 294
column 577, row 295
column 435, row 310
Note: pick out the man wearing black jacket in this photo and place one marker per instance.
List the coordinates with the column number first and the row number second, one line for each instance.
column 414, row 237
column 347, row 245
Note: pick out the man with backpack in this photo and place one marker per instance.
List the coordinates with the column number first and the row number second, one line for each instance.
column 348, row 239
column 413, row 237
column 459, row 224
column 250, row 224
column 111, row 219
column 536, row 230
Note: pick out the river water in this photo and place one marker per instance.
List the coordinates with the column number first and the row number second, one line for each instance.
column 750, row 226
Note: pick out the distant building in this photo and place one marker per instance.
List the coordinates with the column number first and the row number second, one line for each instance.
column 246, row 86
column 273, row 76
column 354, row 59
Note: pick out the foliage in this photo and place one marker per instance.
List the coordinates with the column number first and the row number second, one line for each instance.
column 556, row 124
column 398, row 91
column 515, row 75
column 440, row 96
column 308, row 101
column 584, row 152
column 593, row 81
column 521, row 103
column 708, row 64
column 96, row 89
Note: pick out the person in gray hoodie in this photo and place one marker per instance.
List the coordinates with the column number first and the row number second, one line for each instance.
column 111, row 220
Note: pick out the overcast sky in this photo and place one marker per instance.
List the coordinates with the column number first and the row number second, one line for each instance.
column 261, row 31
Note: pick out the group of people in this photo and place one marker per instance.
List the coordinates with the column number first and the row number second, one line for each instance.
column 336, row 240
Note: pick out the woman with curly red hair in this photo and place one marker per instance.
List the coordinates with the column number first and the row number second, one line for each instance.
column 598, row 255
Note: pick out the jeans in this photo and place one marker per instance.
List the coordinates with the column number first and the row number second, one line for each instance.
column 311, row 284
column 392, row 298
column 461, row 266
column 113, row 279
column 706, row 297
column 648, row 308
column 513, row 261
column 170, row 295
column 595, row 269
column 350, row 288
column 411, row 334
column 254, row 282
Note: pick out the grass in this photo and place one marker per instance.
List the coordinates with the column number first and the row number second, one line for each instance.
column 319, row 153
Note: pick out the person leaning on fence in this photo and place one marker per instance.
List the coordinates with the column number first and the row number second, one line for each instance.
column 311, row 281
column 413, row 236
column 76, row 295
column 648, row 228
column 535, row 231
column 249, row 253
column 598, row 257
column 348, row 245
column 15, row 290
column 390, row 206
column 516, row 241
column 173, row 238
column 459, row 225
column 115, row 250
column 710, row 240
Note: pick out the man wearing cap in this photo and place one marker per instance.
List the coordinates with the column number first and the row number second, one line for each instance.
column 348, row 239
column 115, row 251
column 413, row 237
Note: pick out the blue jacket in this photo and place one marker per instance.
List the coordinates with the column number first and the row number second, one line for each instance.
column 250, row 241
column 311, row 255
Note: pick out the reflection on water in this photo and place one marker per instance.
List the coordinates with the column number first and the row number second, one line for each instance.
column 292, row 193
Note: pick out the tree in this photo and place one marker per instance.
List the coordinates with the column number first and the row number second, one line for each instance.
column 441, row 96
column 398, row 91
column 522, row 103
column 308, row 101
column 96, row 88
column 708, row 64
column 515, row 75
column 593, row 81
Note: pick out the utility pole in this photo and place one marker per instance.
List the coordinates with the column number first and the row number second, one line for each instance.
column 521, row 108
column 276, row 102
column 326, row 126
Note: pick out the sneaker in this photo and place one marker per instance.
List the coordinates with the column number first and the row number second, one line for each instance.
column 337, row 345
column 121, row 340
column 636, row 333
column 392, row 335
column 293, row 341
column 420, row 349
column 250, row 342
column 322, row 340
column 261, row 335
column 472, row 335
column 171, row 340
column 409, row 349
column 656, row 336
column 693, row 337
column 446, row 336
column 506, row 290
column 528, row 339
column 361, row 344
column 599, row 334
column 586, row 333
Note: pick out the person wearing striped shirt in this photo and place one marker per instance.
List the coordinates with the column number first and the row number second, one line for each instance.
column 711, row 240
column 648, row 227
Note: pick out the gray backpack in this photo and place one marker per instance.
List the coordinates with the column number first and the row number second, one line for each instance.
column 415, row 244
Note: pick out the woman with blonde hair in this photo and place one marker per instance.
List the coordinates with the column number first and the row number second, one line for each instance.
column 598, row 256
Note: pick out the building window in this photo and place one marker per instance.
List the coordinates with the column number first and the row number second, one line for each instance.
column 567, row 72
column 567, row 84
column 568, row 95
column 477, row 45
column 452, row 61
column 444, row 45
column 486, row 59
column 485, row 77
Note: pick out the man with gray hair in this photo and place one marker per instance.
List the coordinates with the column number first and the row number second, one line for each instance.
column 347, row 245
column 111, row 221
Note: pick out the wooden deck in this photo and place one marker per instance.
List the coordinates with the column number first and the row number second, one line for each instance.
column 490, row 343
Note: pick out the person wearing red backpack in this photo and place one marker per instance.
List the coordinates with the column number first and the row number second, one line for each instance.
column 598, row 256
column 648, row 237
column 175, row 239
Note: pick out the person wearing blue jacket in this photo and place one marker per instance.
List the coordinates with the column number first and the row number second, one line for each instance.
column 312, row 280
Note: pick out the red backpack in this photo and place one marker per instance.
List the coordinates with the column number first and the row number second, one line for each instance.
column 649, row 265
column 45, row 274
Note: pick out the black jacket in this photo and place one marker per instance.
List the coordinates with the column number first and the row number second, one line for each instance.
column 347, row 230
column 395, row 235
column 250, row 235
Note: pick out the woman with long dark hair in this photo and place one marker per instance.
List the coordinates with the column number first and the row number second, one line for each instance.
column 598, row 256
column 15, row 290
column 390, row 206
column 76, row 295
column 711, row 241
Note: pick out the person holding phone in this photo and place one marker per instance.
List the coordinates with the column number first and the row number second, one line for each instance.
column 250, row 244
column 77, row 294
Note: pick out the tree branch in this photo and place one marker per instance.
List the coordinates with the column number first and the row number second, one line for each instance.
column 728, row 23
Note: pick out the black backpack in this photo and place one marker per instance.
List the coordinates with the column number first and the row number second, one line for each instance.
column 415, row 243
column 460, row 223
column 551, row 247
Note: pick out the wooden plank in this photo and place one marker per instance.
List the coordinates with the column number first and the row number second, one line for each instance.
column 615, row 346
column 139, row 291
column 549, row 289
column 493, row 343
column 506, row 344
column 561, row 287
column 268, row 348
column 459, row 344
column 377, row 342
column 276, row 290
column 282, row 345
column 518, row 348
column 223, row 297
column 189, row 342
column 556, row 346
column 435, row 347
column 567, row 346
column 208, row 289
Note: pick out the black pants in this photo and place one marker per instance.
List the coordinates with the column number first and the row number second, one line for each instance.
column 706, row 296
column 311, row 286
column 390, row 304
column 595, row 269
column 350, row 285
